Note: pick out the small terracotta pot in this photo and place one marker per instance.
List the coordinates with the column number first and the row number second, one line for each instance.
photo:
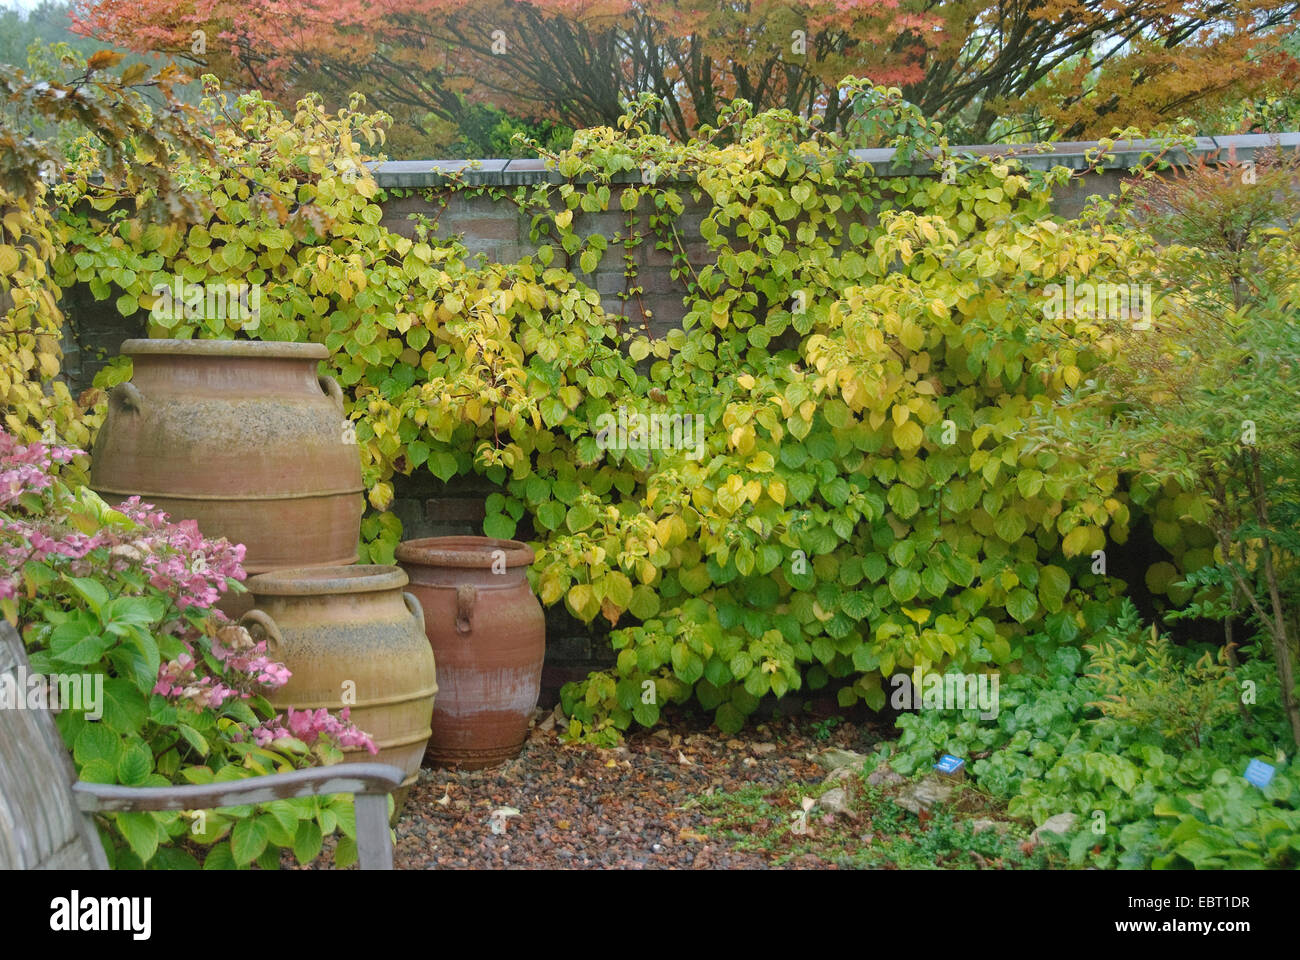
column 352, row 638
column 488, row 635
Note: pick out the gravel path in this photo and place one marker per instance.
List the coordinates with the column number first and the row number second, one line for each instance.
column 580, row 806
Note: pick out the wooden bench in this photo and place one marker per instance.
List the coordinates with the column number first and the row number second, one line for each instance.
column 47, row 814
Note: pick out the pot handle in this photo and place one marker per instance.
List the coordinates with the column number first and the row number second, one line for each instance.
column 126, row 396
column 413, row 604
column 268, row 627
column 332, row 390
column 465, row 597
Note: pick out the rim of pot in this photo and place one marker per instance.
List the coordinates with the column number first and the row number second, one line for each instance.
column 466, row 552
column 318, row 581
column 267, row 349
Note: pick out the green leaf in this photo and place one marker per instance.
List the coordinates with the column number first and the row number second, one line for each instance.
column 417, row 452
column 141, row 833
column 345, row 854
column 97, row 742
column 551, row 514
column 645, row 602
column 98, row 771
column 687, row 664
column 856, row 604
column 135, row 764
column 442, row 465
column 72, row 643
column 566, row 491
column 1010, row 524
column 247, row 840
column 193, row 738
column 580, row 517
column 1022, row 604
column 1053, row 585
column 959, row 570
column 904, row 584
column 646, row 714
column 728, row 718
column 307, row 842
column 757, row 683
column 219, row 858
column 903, row 500
column 874, row 566
column 92, row 591
column 499, row 525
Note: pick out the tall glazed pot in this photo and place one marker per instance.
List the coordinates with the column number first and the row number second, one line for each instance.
column 488, row 634
column 242, row 437
column 351, row 637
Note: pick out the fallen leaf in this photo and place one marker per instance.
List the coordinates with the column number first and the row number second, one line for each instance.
column 499, row 818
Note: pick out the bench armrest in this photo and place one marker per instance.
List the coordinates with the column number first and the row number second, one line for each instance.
column 356, row 778
column 369, row 782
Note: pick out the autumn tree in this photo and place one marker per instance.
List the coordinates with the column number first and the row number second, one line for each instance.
column 82, row 122
column 1015, row 67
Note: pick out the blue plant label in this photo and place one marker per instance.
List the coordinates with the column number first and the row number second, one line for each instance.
column 1259, row 773
column 950, row 764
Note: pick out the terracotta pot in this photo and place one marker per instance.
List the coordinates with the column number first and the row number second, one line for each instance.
column 352, row 638
column 242, row 437
column 488, row 635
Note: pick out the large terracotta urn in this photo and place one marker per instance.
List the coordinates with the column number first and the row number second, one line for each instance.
column 351, row 637
column 488, row 634
column 243, row 437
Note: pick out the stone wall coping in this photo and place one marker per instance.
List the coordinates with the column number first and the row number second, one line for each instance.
column 1073, row 155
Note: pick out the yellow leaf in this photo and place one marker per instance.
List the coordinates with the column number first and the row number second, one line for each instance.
column 664, row 530
column 776, row 490
column 381, row 495
column 908, row 436
column 580, row 597
column 1076, row 541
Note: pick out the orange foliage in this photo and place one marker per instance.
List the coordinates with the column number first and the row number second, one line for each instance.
column 1078, row 67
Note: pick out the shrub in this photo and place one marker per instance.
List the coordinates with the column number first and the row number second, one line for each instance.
column 1201, row 404
column 859, row 364
column 125, row 597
